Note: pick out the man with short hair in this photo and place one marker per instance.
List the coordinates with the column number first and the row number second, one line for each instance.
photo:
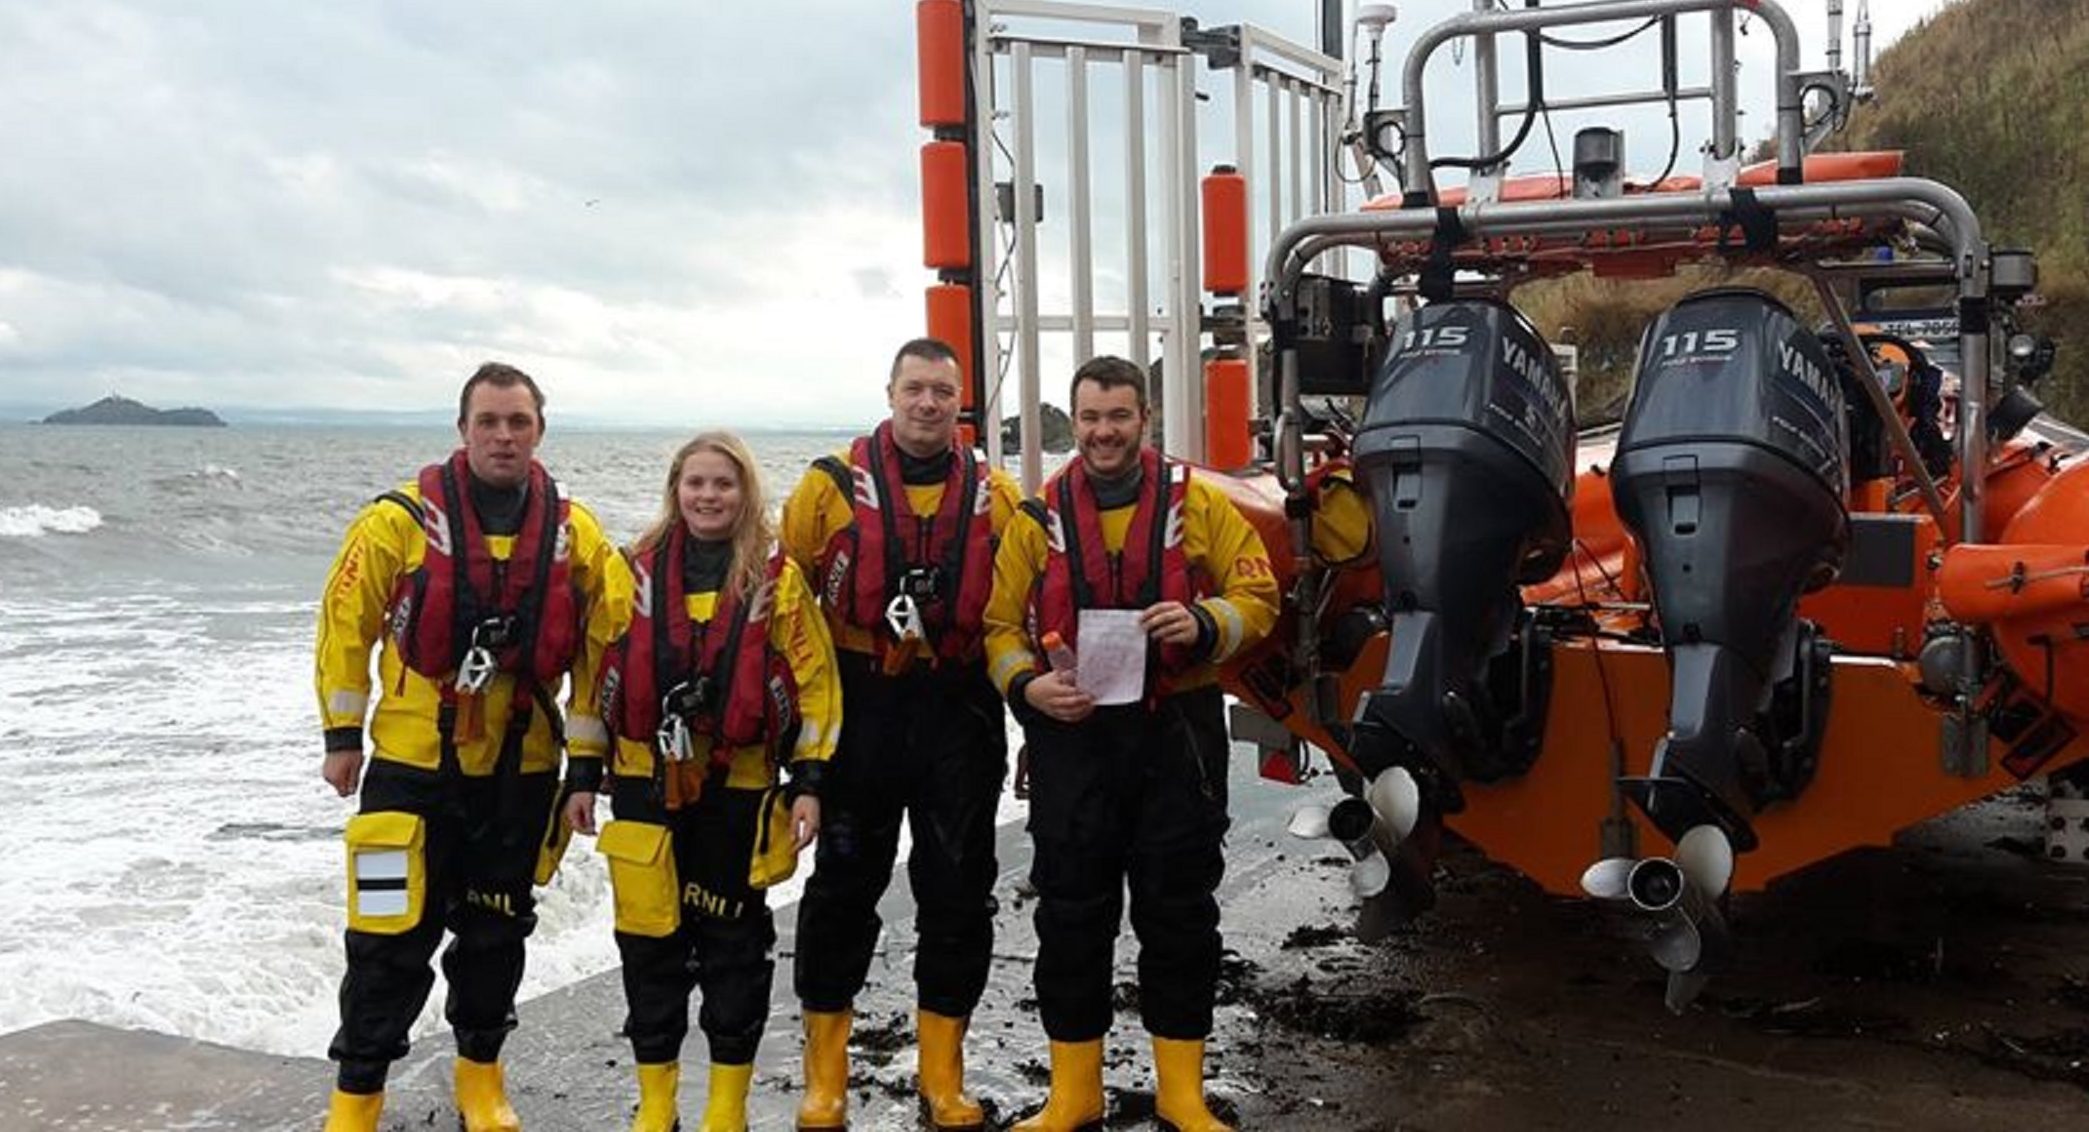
column 1132, row 792
column 488, row 588
column 898, row 535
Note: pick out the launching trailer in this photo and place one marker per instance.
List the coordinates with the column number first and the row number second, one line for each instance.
column 1812, row 590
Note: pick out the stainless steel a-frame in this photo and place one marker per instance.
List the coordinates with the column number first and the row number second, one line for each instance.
column 1286, row 105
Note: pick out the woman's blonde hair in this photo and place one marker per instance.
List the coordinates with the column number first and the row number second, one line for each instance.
column 752, row 533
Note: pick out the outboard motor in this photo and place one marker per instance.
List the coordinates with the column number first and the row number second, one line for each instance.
column 1466, row 448
column 1732, row 471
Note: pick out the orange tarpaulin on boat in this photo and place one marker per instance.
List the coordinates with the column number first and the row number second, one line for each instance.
column 1552, row 186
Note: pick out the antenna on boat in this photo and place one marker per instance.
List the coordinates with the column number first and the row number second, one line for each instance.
column 1371, row 22
column 1835, row 35
column 1860, row 64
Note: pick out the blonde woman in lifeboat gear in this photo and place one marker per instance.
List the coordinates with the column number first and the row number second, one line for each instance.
column 488, row 588
column 901, row 527
column 724, row 678
column 1131, row 795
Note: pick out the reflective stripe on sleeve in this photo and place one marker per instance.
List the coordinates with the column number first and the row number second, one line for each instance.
column 587, row 729
column 1012, row 664
column 1231, row 628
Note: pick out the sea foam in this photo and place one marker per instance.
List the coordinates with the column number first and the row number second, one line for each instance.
column 36, row 520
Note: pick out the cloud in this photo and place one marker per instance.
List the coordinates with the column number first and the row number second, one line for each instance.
column 666, row 210
column 326, row 204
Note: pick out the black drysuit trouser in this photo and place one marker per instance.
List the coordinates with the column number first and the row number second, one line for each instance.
column 1129, row 796
column 928, row 747
column 481, row 842
column 725, row 943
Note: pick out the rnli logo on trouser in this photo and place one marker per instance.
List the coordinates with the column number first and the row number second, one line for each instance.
column 704, row 902
column 498, row 903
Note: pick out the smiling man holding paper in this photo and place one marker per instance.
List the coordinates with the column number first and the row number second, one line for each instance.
column 1151, row 577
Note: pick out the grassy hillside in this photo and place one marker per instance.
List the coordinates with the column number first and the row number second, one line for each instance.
column 1988, row 96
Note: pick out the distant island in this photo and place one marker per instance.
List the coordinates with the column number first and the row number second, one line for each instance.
column 124, row 411
column 1058, row 430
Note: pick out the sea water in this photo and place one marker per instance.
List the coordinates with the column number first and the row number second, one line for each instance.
column 169, row 857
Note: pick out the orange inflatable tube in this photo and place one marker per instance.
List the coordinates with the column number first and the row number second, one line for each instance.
column 1984, row 584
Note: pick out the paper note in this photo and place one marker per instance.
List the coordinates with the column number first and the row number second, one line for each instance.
column 1110, row 656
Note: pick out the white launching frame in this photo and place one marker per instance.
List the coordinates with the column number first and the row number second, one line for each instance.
column 1287, row 109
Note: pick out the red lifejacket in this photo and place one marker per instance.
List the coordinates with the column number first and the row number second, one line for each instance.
column 1081, row 573
column 750, row 693
column 525, row 608
column 950, row 554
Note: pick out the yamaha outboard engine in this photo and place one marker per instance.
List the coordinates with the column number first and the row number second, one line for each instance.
column 1732, row 471
column 1466, row 448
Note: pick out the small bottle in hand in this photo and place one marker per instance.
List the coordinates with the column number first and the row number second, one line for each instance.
column 1057, row 653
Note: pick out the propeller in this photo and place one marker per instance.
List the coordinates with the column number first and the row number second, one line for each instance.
column 1397, row 800
column 1308, row 823
column 1682, row 893
column 1351, row 823
column 1683, row 989
column 1605, row 880
column 1707, row 858
column 1390, row 875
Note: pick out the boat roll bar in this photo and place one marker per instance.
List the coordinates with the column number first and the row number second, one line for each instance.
column 1418, row 177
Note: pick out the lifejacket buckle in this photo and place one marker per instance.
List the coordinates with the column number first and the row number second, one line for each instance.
column 922, row 583
column 494, row 634
column 903, row 615
column 690, row 699
column 481, row 661
column 476, row 673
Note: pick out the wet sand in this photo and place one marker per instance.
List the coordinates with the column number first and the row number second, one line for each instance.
column 1943, row 983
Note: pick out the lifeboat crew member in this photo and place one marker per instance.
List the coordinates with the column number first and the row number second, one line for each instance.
column 724, row 678
column 1134, row 792
column 898, row 532
column 489, row 587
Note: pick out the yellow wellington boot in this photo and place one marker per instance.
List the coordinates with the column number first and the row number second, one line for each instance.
column 826, row 1103
column 725, row 1110
column 942, row 1074
column 1076, row 1103
column 1179, row 1097
column 353, row 1112
column 657, row 1087
column 482, row 1098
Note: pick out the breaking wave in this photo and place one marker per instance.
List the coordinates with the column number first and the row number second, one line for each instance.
column 36, row 520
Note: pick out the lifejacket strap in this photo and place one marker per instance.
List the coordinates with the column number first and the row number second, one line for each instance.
column 446, row 737
column 403, row 501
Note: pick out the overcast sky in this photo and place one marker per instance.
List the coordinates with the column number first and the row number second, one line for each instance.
column 689, row 212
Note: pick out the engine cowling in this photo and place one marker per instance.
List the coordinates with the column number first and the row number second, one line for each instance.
column 1466, row 450
column 1732, row 473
